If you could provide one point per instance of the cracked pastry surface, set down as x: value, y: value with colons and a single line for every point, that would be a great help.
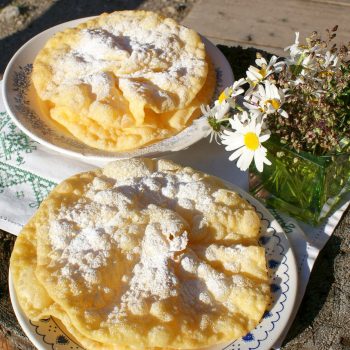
x: 143, y: 254
x: 124, y: 80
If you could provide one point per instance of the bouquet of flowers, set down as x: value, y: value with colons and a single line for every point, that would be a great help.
x: 302, y: 100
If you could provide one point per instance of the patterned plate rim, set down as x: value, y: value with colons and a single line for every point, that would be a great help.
x: 280, y: 318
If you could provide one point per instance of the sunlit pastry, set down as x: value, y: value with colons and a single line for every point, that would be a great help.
x: 124, y: 80
x: 143, y: 254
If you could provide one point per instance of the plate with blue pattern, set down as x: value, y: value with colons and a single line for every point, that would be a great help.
x: 21, y: 105
x: 50, y: 333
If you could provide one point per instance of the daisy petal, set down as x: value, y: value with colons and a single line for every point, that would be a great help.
x: 261, y: 90
x: 238, y: 83
x: 245, y: 160
x: 233, y: 143
x: 260, y: 61
x: 236, y: 154
x: 273, y: 60
x: 259, y: 162
x: 249, y: 106
x: 252, y: 75
x: 264, y: 138
x: 283, y: 113
x: 267, y: 162
x: 228, y: 133
x: 260, y: 158
x: 236, y: 124
x: 268, y: 89
x: 237, y: 92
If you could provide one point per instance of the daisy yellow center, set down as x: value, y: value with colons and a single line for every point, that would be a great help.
x: 274, y: 103
x: 251, y: 141
x: 263, y: 72
x: 222, y: 97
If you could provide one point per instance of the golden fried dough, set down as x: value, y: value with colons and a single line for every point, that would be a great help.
x: 143, y: 254
x: 124, y: 80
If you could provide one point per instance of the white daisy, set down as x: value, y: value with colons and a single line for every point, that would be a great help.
x: 236, y: 87
x: 268, y: 99
x: 255, y: 75
x: 227, y: 99
x: 232, y: 91
x: 246, y: 141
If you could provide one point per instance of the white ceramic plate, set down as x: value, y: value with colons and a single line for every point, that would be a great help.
x: 48, y: 334
x: 17, y: 92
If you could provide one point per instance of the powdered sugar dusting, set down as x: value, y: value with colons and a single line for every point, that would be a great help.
x: 154, y: 276
x: 151, y: 61
x: 140, y: 218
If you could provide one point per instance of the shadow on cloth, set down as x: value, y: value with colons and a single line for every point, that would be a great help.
x: 318, y: 288
x: 60, y: 12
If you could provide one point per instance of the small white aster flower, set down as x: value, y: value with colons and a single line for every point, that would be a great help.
x: 330, y: 60
x: 215, y: 128
x: 218, y: 111
x: 305, y: 61
x: 303, y: 57
x: 246, y: 142
x: 295, y: 49
x: 308, y: 63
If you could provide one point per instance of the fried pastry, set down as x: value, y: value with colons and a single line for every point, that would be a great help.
x: 143, y: 254
x: 124, y: 80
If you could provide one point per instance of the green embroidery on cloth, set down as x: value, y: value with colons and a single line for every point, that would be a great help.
x: 13, y: 143
x: 12, y: 176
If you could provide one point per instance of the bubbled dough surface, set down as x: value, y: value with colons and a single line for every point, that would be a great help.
x: 143, y: 254
x: 124, y: 79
